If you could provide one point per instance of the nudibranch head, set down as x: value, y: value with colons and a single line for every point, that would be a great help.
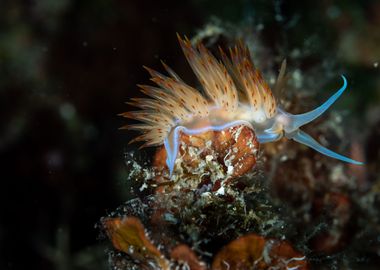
x: 235, y: 94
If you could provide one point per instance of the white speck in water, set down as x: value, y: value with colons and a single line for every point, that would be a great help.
x: 54, y: 159
x: 297, y: 77
x: 260, y: 27
x: 279, y: 18
x: 338, y: 118
x: 296, y: 53
x: 333, y: 12
x: 67, y: 111
x: 376, y: 64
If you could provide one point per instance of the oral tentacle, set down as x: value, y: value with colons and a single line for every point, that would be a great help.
x: 299, y: 120
x: 304, y: 138
x: 267, y: 137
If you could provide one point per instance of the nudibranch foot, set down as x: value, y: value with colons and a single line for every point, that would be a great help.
x: 208, y: 161
x: 172, y: 142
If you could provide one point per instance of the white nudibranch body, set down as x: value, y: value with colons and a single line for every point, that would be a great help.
x: 235, y: 94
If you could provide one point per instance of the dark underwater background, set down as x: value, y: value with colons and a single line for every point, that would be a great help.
x: 68, y: 67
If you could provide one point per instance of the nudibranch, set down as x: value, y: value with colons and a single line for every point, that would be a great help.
x: 235, y: 94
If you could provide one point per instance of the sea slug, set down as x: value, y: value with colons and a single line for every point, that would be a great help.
x: 235, y: 93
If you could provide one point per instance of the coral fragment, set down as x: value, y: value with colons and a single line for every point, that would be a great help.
x: 256, y: 252
x: 128, y: 235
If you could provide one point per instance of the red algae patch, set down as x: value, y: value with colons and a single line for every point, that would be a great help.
x: 256, y: 252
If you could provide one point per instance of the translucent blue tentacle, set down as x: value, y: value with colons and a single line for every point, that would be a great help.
x: 171, y: 150
x: 304, y: 138
x: 266, y: 137
x: 299, y: 120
